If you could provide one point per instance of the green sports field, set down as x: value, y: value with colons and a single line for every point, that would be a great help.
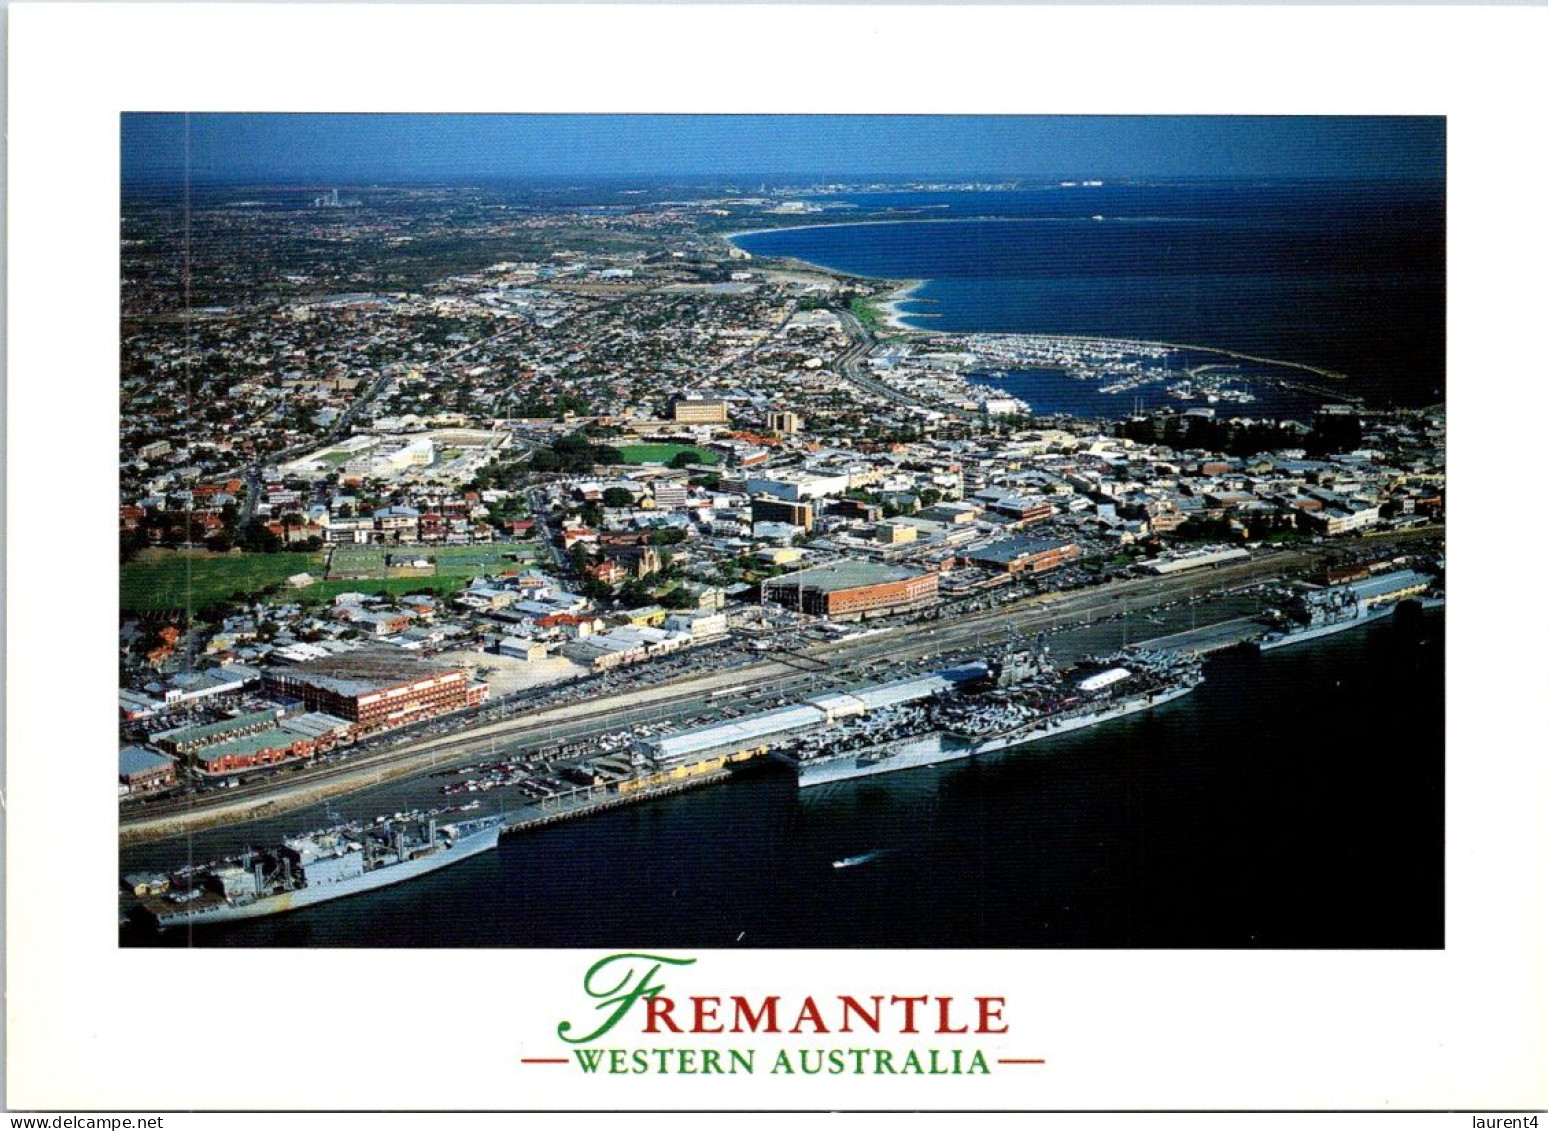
x: 662, y: 453
x: 190, y: 579
x: 177, y: 579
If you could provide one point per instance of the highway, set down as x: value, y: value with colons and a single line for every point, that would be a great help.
x: 849, y: 366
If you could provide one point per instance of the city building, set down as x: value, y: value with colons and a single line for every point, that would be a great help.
x: 1015, y: 555
x: 1178, y: 563
x: 698, y: 410
x: 376, y: 689
x: 669, y: 493
x: 784, y: 423
x: 796, y: 485
x: 894, y: 533
x: 251, y: 752
x: 144, y: 771
x: 851, y: 590
x: 769, y: 509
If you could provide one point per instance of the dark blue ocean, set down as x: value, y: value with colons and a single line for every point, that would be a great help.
x: 1345, y: 276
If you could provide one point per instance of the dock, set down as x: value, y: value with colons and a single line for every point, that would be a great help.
x: 1210, y: 638
x: 585, y: 803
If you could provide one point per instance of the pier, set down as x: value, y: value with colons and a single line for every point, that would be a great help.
x: 1210, y: 638
x: 598, y: 799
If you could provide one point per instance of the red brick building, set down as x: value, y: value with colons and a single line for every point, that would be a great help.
x: 1014, y: 555
x: 252, y: 752
x: 376, y: 689
x: 850, y: 590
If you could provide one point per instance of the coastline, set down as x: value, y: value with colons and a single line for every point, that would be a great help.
x: 903, y: 290
x: 890, y: 306
x: 883, y: 314
x: 888, y: 303
x: 732, y: 237
x: 911, y: 219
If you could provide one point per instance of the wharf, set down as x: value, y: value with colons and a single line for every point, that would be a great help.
x: 1209, y: 638
x: 584, y: 806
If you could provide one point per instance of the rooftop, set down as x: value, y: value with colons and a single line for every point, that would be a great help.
x: 360, y: 672
x: 137, y: 760
x: 1010, y: 549
x: 261, y: 719
x: 836, y: 576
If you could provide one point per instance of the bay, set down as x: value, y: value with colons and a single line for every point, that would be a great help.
x: 1346, y: 276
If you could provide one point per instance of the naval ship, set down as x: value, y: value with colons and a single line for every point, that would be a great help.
x: 1323, y: 612
x: 314, y: 868
x: 1324, y: 618
x: 1023, y: 699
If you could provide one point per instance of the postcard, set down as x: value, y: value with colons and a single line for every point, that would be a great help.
x: 647, y: 581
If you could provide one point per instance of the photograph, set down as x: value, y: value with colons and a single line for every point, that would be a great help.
x: 948, y: 531
x: 740, y: 560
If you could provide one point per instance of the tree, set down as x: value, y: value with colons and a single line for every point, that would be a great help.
x: 635, y: 592
x: 596, y: 589
x: 686, y: 459
x: 678, y: 598
x: 131, y: 542
x: 617, y: 497
x: 258, y: 537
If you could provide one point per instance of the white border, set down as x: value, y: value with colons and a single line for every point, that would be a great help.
x: 90, y: 1026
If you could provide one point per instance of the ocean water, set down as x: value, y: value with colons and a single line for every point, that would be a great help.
x: 1295, y: 800
x: 1345, y: 276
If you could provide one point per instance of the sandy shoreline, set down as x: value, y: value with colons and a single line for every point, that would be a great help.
x: 895, y: 317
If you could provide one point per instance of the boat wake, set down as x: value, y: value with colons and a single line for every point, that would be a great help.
x: 863, y: 858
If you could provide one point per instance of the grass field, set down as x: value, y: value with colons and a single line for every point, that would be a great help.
x: 454, y: 565
x: 174, y: 579
x: 661, y: 453
x: 190, y: 579
x: 371, y: 562
x: 358, y: 561
x: 469, y: 561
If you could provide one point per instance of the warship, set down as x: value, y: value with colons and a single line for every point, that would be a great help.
x: 1322, y: 612
x: 311, y: 868
x: 1021, y: 700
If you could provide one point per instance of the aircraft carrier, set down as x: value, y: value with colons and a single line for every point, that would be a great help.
x: 1021, y: 699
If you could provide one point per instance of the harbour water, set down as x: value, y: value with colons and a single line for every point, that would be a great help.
x: 1346, y: 276
x: 1295, y: 799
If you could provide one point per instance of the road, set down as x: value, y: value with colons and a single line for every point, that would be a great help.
x: 846, y: 661
x: 850, y: 364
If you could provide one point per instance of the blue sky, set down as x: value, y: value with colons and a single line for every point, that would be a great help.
x: 408, y: 147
